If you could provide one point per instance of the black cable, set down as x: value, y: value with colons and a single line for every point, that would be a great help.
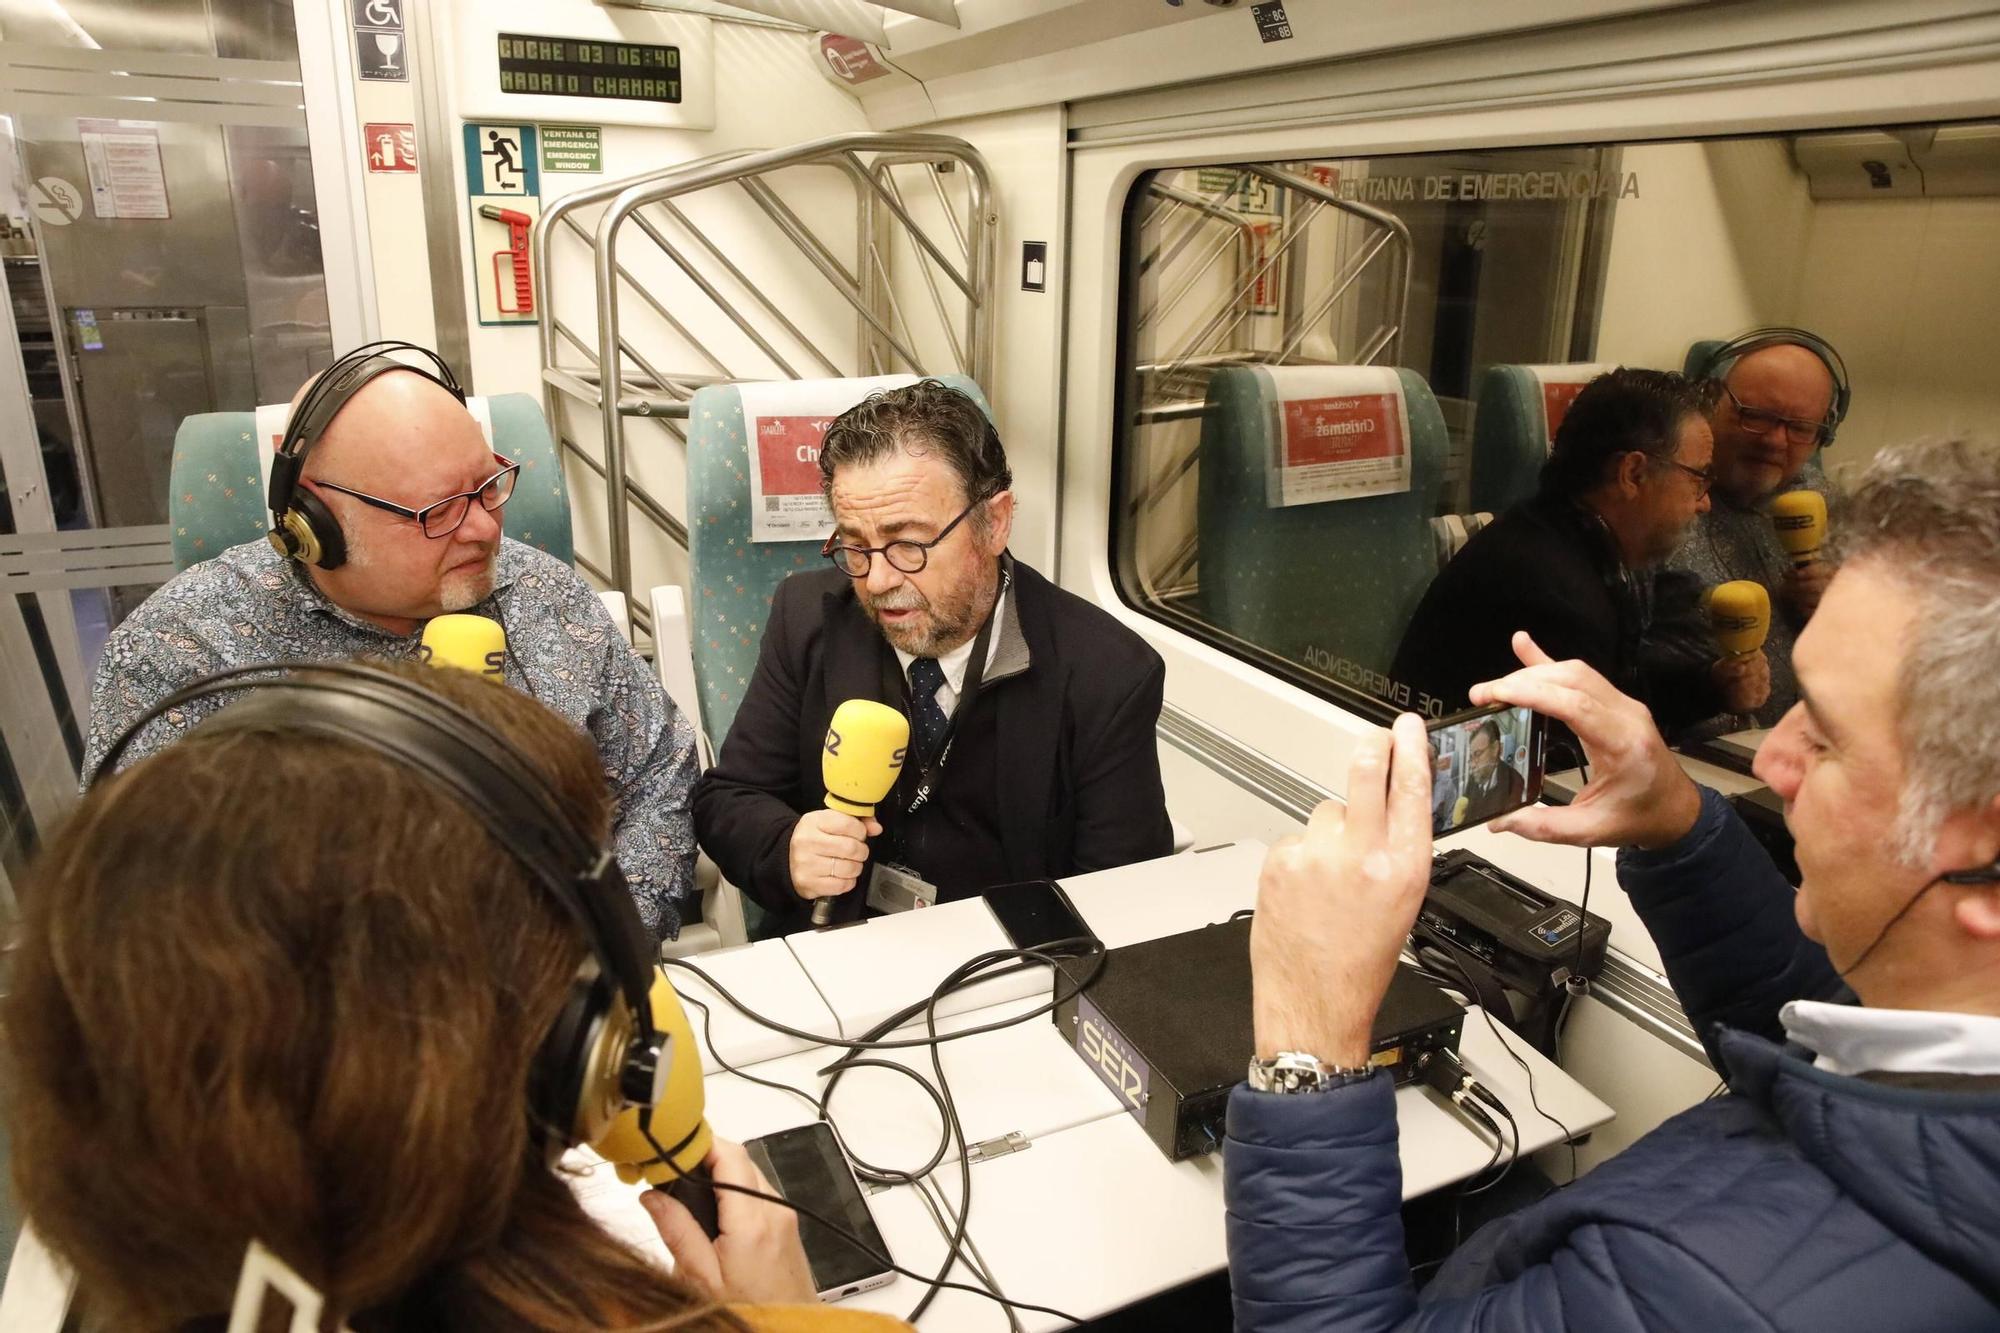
x: 966, y: 974
x: 1515, y: 1056
x: 861, y: 1166
x: 843, y: 1043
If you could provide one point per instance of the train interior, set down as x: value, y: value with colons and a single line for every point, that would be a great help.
x: 1136, y: 226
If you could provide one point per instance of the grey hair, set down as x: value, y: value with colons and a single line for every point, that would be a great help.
x: 1930, y: 512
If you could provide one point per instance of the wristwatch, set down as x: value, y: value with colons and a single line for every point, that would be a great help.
x: 1295, y: 1071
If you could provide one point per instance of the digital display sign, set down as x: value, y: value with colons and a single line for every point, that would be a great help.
x: 570, y: 67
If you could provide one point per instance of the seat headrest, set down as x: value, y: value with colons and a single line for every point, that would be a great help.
x: 1338, y: 433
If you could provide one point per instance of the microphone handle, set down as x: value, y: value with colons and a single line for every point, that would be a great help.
x: 697, y: 1195
x: 823, y: 910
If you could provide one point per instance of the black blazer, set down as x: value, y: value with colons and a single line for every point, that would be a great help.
x: 1078, y: 767
x: 1548, y: 567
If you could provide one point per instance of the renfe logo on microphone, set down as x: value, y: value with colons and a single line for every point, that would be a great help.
x: 1105, y: 1051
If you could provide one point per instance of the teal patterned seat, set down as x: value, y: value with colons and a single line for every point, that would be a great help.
x: 1328, y: 586
x: 731, y: 578
x: 1519, y: 410
x: 216, y: 495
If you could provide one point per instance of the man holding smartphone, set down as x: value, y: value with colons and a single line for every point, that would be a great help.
x: 1851, y: 1181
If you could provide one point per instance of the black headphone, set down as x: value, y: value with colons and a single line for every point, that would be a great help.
x: 302, y: 527
x: 1784, y: 335
x: 603, y: 1053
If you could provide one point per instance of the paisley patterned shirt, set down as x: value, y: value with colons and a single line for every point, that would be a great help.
x: 251, y: 605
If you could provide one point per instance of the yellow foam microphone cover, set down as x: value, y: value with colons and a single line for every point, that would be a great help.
x: 1800, y: 518
x: 1740, y: 612
x: 865, y: 746
x: 678, y: 1115
x: 470, y: 643
x: 1458, y: 809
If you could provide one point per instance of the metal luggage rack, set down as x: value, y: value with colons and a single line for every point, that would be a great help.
x: 952, y: 248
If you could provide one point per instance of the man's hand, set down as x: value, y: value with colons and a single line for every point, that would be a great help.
x: 1335, y: 904
x: 1637, y: 795
x: 1804, y: 586
x: 828, y: 852
x: 757, y: 1260
x: 1745, y: 682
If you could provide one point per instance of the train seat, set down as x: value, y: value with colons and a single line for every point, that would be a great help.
x: 732, y: 577
x: 1328, y: 584
x: 1519, y: 409
x: 219, y: 478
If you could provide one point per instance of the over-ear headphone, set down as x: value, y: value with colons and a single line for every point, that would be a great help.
x: 302, y: 527
x: 603, y: 1052
x: 1716, y: 363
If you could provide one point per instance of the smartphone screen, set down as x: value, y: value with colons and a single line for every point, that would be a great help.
x: 1484, y: 763
x: 804, y: 1165
x: 1035, y: 913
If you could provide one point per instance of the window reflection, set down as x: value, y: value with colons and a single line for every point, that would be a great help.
x: 1343, y: 373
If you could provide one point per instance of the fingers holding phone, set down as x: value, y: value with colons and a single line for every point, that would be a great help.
x: 758, y: 1258
x: 1637, y: 794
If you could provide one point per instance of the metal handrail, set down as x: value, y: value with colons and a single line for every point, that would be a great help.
x: 1172, y: 382
x: 662, y: 393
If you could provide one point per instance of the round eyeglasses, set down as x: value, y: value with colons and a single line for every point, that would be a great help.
x: 906, y: 556
x: 441, y: 518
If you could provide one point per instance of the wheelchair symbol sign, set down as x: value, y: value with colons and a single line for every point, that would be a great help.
x: 379, y: 14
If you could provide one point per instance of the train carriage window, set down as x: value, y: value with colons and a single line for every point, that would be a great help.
x: 1334, y: 372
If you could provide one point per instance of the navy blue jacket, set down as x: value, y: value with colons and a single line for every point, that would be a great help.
x: 1806, y: 1201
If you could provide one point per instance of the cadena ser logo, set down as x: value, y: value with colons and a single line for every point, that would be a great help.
x: 1105, y: 1051
x: 896, y: 756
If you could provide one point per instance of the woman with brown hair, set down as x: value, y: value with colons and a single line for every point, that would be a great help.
x: 276, y: 987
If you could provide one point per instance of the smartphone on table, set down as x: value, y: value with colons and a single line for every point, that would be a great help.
x: 805, y: 1166
x: 1036, y: 913
x: 1484, y: 763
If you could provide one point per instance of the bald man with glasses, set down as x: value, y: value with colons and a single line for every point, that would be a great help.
x: 1032, y: 751
x: 406, y: 475
x: 1774, y: 409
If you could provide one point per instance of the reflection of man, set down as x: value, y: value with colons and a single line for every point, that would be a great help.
x: 1852, y: 1182
x: 1032, y: 752
x: 1576, y: 565
x: 1491, y: 787
x: 413, y: 493
x: 1778, y: 403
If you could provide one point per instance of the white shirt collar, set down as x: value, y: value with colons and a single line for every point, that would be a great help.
x: 1852, y: 1039
x: 955, y: 661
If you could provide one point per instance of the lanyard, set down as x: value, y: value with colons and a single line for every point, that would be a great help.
x: 931, y: 768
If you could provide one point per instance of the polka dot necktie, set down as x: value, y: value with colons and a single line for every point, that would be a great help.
x: 926, y: 679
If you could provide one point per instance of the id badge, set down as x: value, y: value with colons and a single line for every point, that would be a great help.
x: 896, y: 889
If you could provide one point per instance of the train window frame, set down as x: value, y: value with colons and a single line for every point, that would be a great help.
x: 1588, y: 312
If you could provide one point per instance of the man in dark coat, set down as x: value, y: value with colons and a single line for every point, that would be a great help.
x: 1852, y: 1180
x: 1032, y: 751
x: 1576, y: 565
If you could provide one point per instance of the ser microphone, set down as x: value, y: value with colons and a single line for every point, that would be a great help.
x: 1740, y: 612
x: 865, y: 745
x: 678, y: 1122
x: 1800, y: 518
x: 470, y: 643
